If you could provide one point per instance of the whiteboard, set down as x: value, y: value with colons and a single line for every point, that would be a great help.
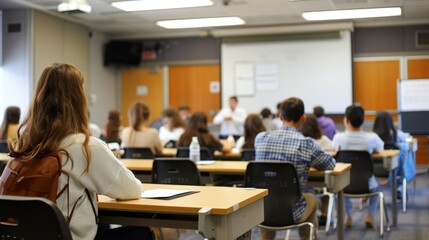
x: 317, y: 71
x: 413, y: 106
x: 413, y: 95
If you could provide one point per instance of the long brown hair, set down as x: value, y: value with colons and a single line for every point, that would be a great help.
x: 310, y: 127
x: 58, y: 109
x: 197, y: 127
x: 176, y: 120
x: 137, y: 114
x: 11, y: 116
x: 252, y: 126
x: 113, y: 124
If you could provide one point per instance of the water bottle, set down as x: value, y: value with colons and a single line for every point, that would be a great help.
x: 194, y: 150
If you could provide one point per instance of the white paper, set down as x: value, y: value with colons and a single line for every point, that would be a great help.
x: 163, y: 193
x: 267, y: 76
x: 244, y: 79
x: 206, y: 162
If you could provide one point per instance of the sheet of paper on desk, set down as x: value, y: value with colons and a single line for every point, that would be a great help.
x: 165, y: 193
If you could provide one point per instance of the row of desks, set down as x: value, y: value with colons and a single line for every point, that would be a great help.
x: 220, y: 212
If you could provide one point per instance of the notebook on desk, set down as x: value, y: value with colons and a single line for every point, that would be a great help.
x: 165, y: 193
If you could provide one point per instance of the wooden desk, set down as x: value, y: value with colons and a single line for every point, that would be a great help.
x: 335, y: 180
x: 217, y: 212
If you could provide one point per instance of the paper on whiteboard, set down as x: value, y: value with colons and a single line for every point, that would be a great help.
x: 414, y: 95
x: 244, y: 79
x: 267, y: 76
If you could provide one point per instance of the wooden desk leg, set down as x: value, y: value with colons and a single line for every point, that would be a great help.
x: 394, y: 199
x: 340, y: 215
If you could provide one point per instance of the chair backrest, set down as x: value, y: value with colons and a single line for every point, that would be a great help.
x: 31, y: 218
x: 247, y: 154
x: 171, y: 144
x: 175, y: 171
x: 281, y: 180
x: 205, y: 153
x: 3, y: 146
x: 362, y: 169
x: 138, y: 153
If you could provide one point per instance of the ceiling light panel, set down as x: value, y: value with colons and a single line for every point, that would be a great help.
x: 147, y: 5
x: 200, y: 22
x: 352, y: 14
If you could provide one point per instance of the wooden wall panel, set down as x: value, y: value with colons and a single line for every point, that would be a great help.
x: 375, y: 84
x: 191, y: 85
x: 131, y: 79
x: 419, y: 68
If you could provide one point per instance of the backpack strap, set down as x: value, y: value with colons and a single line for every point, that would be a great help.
x: 97, y: 220
x: 75, y: 204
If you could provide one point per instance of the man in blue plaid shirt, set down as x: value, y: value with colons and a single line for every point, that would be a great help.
x: 287, y: 144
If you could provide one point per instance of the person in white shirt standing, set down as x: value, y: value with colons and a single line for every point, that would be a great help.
x: 231, y: 119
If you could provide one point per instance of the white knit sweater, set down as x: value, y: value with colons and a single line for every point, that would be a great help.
x: 106, y: 176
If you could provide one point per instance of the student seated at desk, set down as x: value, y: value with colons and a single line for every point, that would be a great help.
x: 252, y: 126
x: 354, y: 138
x: 198, y: 127
x: 110, y: 133
x: 288, y: 145
x: 172, y: 128
x: 139, y: 135
x: 57, y: 122
x: 395, y: 138
x: 9, y: 126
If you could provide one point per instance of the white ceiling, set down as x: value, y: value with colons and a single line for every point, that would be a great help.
x: 256, y: 13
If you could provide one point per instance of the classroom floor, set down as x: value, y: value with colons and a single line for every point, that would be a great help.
x: 412, y: 225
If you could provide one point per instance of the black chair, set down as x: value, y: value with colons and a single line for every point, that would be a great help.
x: 175, y: 171
x: 281, y: 180
x: 205, y: 153
x: 247, y: 154
x: 171, y: 144
x: 31, y: 218
x: 362, y: 170
x: 138, y: 153
x: 3, y: 146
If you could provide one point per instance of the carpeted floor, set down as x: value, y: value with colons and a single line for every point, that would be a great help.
x: 412, y: 225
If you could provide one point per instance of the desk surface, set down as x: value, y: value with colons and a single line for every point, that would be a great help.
x: 222, y: 166
x: 208, y: 197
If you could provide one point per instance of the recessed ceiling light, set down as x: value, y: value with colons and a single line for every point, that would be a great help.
x: 352, y: 14
x: 200, y: 22
x: 145, y: 5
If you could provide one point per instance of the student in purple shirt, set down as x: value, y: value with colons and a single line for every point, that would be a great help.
x: 326, y: 123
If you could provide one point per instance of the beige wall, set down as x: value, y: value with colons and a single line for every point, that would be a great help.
x: 57, y: 40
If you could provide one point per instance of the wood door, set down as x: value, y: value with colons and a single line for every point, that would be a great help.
x: 142, y: 85
x: 419, y: 69
x: 191, y: 85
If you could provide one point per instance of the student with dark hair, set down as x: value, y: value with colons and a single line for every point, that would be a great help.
x: 112, y: 128
x: 354, y: 138
x: 9, y: 126
x: 231, y: 119
x: 396, y: 139
x: 57, y: 122
x: 326, y: 123
x: 310, y: 128
x: 268, y: 120
x: 185, y: 113
x: 252, y: 126
x: 197, y: 127
x: 288, y: 145
x: 139, y: 134
x: 173, y: 126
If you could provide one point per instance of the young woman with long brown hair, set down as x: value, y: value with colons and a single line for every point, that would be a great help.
x: 173, y: 127
x: 139, y: 134
x: 57, y: 121
x: 253, y: 125
x: 113, y: 127
x: 198, y: 127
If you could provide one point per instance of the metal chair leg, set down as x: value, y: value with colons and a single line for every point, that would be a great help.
x: 381, y: 196
x: 404, y: 195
